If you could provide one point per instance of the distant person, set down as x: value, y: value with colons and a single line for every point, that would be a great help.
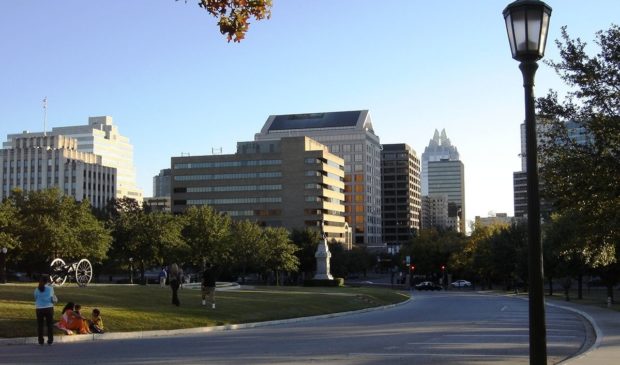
x: 163, y: 275
x: 181, y: 277
x: 175, y: 282
x: 96, y: 322
x: 44, y: 300
x: 208, y: 286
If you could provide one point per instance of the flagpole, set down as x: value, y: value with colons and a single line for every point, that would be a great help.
x: 45, y: 116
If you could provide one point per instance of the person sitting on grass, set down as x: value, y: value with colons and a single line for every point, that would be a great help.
x: 96, y: 322
x: 72, y: 321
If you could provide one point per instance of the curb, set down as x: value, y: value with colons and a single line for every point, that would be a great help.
x: 597, y: 331
x: 189, y: 331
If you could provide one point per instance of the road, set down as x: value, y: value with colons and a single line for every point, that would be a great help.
x: 433, y: 328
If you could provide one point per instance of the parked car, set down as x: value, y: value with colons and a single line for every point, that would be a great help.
x: 461, y: 284
x: 427, y: 285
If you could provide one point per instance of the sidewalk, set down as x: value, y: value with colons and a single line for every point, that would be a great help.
x: 606, y: 323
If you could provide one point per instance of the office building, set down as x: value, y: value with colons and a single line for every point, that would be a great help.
x: 447, y: 177
x: 349, y: 135
x: 439, y: 148
x: 519, y: 188
x: 494, y: 219
x: 400, y: 186
x: 162, y: 184
x: 435, y: 213
x: 292, y: 182
x: 100, y: 137
x: 34, y: 163
x: 577, y: 132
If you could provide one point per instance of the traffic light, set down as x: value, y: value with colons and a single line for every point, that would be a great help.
x: 412, y: 268
x: 443, y: 268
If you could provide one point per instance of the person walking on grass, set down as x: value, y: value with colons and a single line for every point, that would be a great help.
x: 175, y: 282
x: 208, y: 286
x: 163, y: 275
x: 44, y: 300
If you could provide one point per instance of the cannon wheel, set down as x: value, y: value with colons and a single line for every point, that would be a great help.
x: 58, y: 275
x: 83, y: 272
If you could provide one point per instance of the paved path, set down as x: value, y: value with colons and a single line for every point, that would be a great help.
x: 434, y: 328
x: 606, y: 350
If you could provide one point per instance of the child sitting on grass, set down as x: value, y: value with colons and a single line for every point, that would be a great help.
x: 96, y: 322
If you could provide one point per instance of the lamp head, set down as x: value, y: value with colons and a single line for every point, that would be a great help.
x: 527, y: 24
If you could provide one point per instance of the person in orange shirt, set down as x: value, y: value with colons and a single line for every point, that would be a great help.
x: 72, y: 321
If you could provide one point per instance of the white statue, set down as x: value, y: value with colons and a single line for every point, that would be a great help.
x: 323, y: 256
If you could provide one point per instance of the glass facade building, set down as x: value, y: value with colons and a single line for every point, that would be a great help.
x: 349, y: 135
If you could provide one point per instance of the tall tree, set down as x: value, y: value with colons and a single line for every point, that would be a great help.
x: 206, y: 232
x: 582, y: 176
x: 280, y: 252
x: 53, y: 225
x: 307, y: 240
x: 9, y: 225
x: 247, y: 247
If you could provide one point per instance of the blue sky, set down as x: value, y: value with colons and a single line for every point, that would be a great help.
x: 174, y: 85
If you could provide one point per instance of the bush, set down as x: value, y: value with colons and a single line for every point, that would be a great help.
x: 324, y: 282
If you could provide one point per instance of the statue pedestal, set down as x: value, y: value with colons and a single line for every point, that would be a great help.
x: 322, y: 256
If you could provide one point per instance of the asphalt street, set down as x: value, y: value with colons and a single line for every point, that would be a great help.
x: 434, y: 328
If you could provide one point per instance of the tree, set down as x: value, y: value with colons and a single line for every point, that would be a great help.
x: 570, y: 256
x: 307, y: 240
x: 158, y: 240
x: 280, y: 252
x: 126, y: 219
x: 247, y: 247
x: 233, y: 15
x: 52, y: 225
x: 582, y: 176
x: 206, y: 232
x: 509, y: 255
x: 431, y: 249
x: 9, y: 225
x: 577, y: 175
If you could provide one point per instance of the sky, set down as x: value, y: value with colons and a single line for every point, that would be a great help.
x: 174, y: 85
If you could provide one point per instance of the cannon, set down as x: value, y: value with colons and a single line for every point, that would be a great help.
x: 82, y: 271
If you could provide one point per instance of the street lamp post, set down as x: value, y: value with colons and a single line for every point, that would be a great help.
x: 527, y: 24
x: 3, y: 252
x: 131, y: 270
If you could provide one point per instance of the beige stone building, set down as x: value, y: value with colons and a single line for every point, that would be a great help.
x: 43, y: 162
x: 100, y: 137
x: 294, y: 182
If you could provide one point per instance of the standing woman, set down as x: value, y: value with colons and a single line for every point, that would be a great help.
x: 175, y: 282
x: 44, y: 304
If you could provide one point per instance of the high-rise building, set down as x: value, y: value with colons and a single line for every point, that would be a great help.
x: 439, y: 148
x: 575, y: 131
x: 100, y: 137
x: 446, y: 177
x: 161, y: 183
x: 293, y: 183
x: 349, y: 135
x: 435, y: 212
x: 400, y: 187
x: 34, y: 163
x: 519, y: 187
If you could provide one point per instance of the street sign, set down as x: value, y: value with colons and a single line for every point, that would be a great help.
x: 408, y: 259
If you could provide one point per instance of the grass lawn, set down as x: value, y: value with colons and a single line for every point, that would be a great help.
x: 595, y: 297
x: 135, y: 308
